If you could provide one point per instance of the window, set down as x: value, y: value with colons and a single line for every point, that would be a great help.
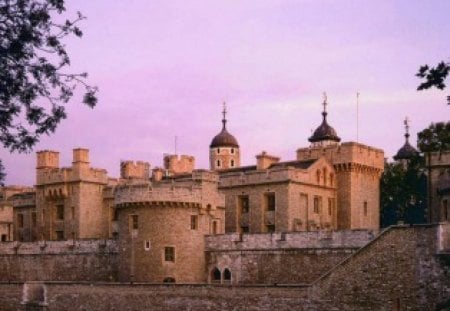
x: 244, y: 204
x: 227, y: 275
x: 324, y: 176
x: 216, y: 276
x: 270, y: 228
x: 318, y: 176
x: 316, y: 205
x: 134, y: 222
x: 245, y: 229
x: 169, y: 280
x: 270, y: 201
x: 194, y: 222
x: 331, y: 180
x: 59, y: 212
x: 232, y: 151
x: 169, y: 253
x: 445, y: 209
x: 232, y: 163
x: 218, y: 150
x: 330, y: 206
x: 33, y: 219
x: 72, y: 212
x: 4, y: 237
x: 218, y: 163
x: 59, y: 235
x: 214, y: 227
x: 365, y: 208
x: 20, y: 220
x: 147, y: 245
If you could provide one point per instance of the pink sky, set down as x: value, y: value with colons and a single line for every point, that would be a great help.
x: 165, y: 67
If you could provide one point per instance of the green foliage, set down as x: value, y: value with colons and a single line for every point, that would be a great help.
x: 403, y: 192
x: 434, y: 77
x: 434, y: 138
x: 34, y: 84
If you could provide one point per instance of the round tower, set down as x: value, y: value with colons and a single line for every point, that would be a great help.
x: 224, y: 149
x: 324, y: 135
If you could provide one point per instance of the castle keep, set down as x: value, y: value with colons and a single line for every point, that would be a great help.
x: 310, y: 223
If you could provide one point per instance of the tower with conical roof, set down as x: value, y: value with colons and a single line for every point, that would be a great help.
x: 224, y: 148
x: 324, y: 135
x: 406, y: 152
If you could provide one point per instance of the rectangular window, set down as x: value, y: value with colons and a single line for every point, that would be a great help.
x: 4, y: 237
x: 445, y: 209
x: 270, y: 201
x: 134, y: 222
x: 147, y: 245
x: 59, y: 235
x: 169, y: 253
x: 317, y: 200
x: 20, y: 220
x: 365, y: 208
x: 33, y: 219
x: 330, y: 206
x: 194, y: 222
x: 72, y: 212
x: 270, y: 228
x: 232, y: 150
x: 244, y: 204
x: 245, y: 229
x: 60, y: 212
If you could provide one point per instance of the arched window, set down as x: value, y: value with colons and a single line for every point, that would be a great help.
x: 331, y: 180
x: 324, y: 176
x: 169, y: 280
x: 227, y: 275
x: 216, y: 276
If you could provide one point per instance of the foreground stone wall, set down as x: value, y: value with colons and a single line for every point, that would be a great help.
x: 79, y: 260
x: 280, y: 258
x: 402, y: 269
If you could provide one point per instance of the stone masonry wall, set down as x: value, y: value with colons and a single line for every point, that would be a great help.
x: 280, y: 258
x: 400, y: 270
x: 79, y: 260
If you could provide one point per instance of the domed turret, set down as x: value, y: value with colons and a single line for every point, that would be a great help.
x: 324, y: 134
x: 406, y: 152
x: 224, y: 148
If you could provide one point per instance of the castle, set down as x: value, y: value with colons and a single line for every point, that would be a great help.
x: 275, y: 222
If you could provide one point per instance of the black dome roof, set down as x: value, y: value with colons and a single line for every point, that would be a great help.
x: 406, y: 152
x: 324, y: 132
x: 224, y: 139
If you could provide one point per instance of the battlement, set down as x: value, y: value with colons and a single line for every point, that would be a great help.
x: 80, y: 155
x: 47, y: 159
x: 289, y: 240
x: 434, y: 159
x: 348, y: 152
x: 179, y: 164
x: 131, y: 169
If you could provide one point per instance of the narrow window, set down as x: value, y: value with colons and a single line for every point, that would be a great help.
x: 318, y: 176
x: 365, y: 208
x: 216, y: 275
x: 20, y: 220
x: 33, y: 219
x: 227, y: 275
x: 218, y: 163
x: 169, y: 280
x: 72, y: 212
x: 194, y: 222
x: 330, y: 206
x: 232, y: 150
x: 134, y: 222
x: 244, y: 204
x: 324, y: 176
x: 147, y: 245
x: 331, y: 180
x: 4, y: 237
x: 316, y: 205
x: 218, y: 150
x: 214, y: 227
x: 270, y: 228
x: 169, y: 253
x: 59, y: 212
x: 232, y: 163
x: 270, y: 201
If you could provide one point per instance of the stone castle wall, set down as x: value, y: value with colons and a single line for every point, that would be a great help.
x: 77, y: 260
x: 439, y: 179
x: 280, y: 258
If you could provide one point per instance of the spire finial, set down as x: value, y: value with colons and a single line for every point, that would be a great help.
x: 224, y: 113
x: 325, y: 102
x: 406, y: 123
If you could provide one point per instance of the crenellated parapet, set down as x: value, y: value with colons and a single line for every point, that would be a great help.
x: 131, y: 169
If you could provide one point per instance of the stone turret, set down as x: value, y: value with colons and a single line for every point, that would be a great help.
x: 224, y: 149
